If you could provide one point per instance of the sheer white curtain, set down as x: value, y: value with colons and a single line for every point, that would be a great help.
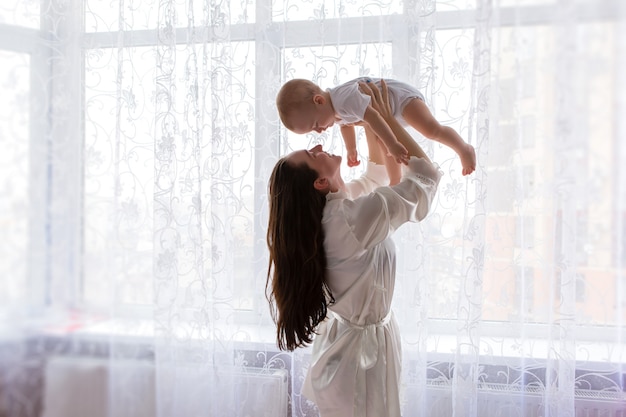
x: 138, y: 137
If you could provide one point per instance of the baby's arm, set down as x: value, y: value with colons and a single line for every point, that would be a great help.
x: 384, y: 132
x: 349, y: 139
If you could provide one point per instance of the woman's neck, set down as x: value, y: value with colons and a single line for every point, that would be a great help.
x: 338, y: 184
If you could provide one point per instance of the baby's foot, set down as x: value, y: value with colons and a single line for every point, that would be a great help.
x: 468, y: 159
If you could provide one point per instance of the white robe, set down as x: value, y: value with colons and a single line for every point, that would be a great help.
x: 356, y: 356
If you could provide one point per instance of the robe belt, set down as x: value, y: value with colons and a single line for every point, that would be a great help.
x: 369, y: 338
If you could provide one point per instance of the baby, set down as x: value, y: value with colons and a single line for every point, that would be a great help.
x: 303, y: 107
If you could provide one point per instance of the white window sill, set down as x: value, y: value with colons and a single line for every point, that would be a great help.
x: 439, y: 346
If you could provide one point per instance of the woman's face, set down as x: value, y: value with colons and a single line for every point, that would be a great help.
x: 326, y: 165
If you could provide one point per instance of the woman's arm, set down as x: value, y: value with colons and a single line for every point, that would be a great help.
x: 365, y: 184
x: 383, y: 130
x: 376, y: 216
x: 380, y: 103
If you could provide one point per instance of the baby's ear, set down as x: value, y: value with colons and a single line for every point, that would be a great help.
x: 319, y: 99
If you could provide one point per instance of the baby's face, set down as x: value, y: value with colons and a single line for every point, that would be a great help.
x: 325, y: 118
x: 318, y: 118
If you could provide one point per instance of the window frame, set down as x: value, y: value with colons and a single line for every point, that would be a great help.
x: 275, y: 36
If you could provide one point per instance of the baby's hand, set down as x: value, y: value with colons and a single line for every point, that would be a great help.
x: 353, y: 158
x: 398, y: 152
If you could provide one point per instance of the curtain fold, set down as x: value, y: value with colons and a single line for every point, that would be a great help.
x: 138, y: 137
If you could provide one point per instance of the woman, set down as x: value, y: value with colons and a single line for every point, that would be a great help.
x: 332, y: 269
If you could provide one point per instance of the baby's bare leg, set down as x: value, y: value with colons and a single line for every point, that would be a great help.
x: 417, y: 114
x: 378, y: 154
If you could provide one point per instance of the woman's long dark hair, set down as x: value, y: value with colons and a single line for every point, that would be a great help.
x: 296, y: 276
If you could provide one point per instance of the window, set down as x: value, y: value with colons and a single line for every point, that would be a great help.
x: 14, y: 173
x: 22, y: 173
x: 130, y: 97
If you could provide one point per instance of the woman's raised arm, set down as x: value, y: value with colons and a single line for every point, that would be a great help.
x: 380, y: 102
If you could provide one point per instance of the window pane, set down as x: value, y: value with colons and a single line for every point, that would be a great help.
x: 528, y: 227
x: 211, y: 119
x: 20, y: 13
x: 118, y: 176
x: 14, y: 176
x: 105, y: 15
x: 450, y: 101
x: 231, y: 144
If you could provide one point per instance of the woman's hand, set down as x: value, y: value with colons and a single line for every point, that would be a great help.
x: 380, y: 103
x: 380, y: 99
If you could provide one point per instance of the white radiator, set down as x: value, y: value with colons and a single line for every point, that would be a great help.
x: 499, y: 400
x: 80, y: 387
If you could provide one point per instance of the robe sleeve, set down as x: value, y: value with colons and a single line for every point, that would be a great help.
x: 374, y: 217
x: 375, y: 176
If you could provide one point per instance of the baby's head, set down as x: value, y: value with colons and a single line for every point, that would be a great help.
x: 297, y: 99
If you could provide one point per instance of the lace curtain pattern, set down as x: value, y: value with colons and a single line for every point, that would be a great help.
x: 138, y: 137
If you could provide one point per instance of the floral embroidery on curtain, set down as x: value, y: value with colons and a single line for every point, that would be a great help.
x: 138, y: 137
